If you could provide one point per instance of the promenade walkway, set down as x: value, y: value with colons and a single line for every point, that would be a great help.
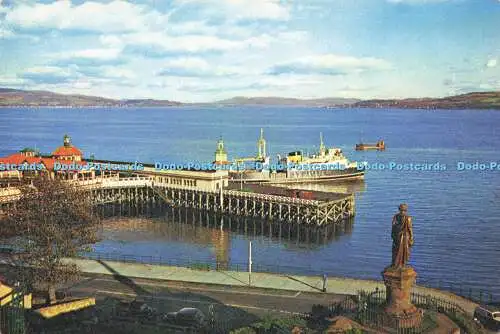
x: 335, y: 285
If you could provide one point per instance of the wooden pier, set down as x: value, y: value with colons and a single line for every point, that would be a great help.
x: 318, y: 211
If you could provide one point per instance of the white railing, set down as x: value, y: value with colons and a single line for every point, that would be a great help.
x: 7, y: 194
x: 274, y: 198
x: 11, y: 191
x: 127, y: 182
x: 183, y: 187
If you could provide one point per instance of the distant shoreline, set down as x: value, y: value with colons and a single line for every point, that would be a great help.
x: 252, y: 106
x: 14, y: 98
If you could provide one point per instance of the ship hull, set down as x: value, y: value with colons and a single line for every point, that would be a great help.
x: 299, y: 176
x: 370, y: 147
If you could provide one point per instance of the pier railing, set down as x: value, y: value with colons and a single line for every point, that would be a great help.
x: 9, y: 194
x: 273, y: 198
x: 282, y: 207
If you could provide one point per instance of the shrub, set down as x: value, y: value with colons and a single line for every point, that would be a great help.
x: 244, y: 330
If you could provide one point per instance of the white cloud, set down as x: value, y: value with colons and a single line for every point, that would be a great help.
x: 118, y: 73
x: 47, y: 70
x: 12, y: 81
x: 492, y: 62
x: 2, y: 8
x: 49, y: 74
x: 251, y: 84
x: 196, y: 67
x: 419, y: 1
x: 5, y: 33
x: 245, y: 9
x: 159, y: 42
x: 111, y: 41
x: 91, y: 54
x: 289, y: 81
x: 329, y: 64
x: 115, y: 16
x: 87, y: 57
x: 75, y: 76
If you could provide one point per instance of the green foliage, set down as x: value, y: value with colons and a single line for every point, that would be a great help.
x: 244, y: 330
x: 465, y: 323
x: 354, y: 331
x: 269, y: 323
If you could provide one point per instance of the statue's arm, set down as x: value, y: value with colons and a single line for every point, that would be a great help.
x: 410, y: 229
x: 393, y: 231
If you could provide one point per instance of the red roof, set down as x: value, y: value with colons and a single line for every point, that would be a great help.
x: 48, y: 163
x: 64, y: 151
x: 16, y: 158
x: 19, y: 159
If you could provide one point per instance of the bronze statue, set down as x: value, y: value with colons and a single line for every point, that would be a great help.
x: 402, y: 237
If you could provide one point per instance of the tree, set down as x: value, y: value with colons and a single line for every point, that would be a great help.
x: 53, y: 220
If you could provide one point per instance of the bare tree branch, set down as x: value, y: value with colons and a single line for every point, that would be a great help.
x: 51, y: 221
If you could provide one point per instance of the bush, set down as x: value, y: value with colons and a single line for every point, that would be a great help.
x: 270, y: 324
x: 354, y: 331
x: 466, y: 324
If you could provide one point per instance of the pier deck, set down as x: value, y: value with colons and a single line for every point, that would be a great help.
x: 263, y: 202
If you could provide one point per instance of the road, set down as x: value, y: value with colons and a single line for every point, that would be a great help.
x: 180, y: 294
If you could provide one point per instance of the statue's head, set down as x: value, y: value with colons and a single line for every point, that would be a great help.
x: 403, y: 208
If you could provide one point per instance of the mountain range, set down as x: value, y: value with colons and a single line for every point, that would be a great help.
x: 26, y: 98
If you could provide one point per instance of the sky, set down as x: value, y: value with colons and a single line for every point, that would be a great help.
x: 208, y: 50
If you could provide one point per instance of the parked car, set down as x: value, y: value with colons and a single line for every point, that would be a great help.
x: 488, y: 316
x: 188, y: 316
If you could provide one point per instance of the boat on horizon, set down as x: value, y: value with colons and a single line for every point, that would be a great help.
x: 379, y: 146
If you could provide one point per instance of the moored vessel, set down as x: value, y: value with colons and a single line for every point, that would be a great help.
x: 328, y: 164
x: 325, y: 165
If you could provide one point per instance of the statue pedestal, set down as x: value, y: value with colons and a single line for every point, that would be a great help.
x: 399, y: 309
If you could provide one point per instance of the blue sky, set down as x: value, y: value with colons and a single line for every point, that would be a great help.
x: 205, y: 50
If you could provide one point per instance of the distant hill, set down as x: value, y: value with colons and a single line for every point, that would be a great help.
x: 16, y: 97
x: 284, y: 101
x: 480, y: 100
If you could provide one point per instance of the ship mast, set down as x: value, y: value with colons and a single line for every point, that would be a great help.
x: 322, y: 149
x: 261, y: 146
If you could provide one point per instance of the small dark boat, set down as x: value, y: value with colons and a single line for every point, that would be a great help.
x: 379, y: 146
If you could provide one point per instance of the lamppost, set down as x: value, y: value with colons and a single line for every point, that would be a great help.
x: 241, y: 177
x: 250, y: 263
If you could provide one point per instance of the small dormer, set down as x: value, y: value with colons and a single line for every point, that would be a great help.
x: 29, y: 152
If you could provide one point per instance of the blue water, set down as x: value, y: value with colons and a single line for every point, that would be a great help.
x: 456, y: 213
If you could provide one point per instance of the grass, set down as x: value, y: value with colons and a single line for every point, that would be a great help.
x: 200, y: 266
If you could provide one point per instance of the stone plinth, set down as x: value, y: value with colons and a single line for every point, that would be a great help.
x: 399, y: 308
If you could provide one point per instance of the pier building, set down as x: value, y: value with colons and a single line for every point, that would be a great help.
x: 191, y: 179
x: 194, y: 189
x: 29, y: 162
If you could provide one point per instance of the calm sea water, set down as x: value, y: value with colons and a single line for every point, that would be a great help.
x: 456, y: 213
